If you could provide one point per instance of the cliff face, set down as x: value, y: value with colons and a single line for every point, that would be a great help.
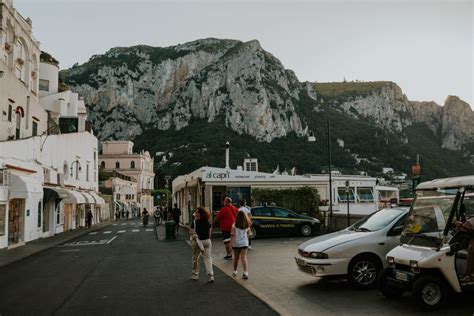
x: 151, y: 94
x: 129, y: 89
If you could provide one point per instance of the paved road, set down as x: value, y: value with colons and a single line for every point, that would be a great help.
x: 120, y: 269
x: 273, y: 276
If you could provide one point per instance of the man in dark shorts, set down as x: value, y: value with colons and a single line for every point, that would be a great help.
x: 176, y: 213
x: 226, y: 218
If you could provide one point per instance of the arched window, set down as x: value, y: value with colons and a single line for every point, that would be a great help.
x: 117, y: 165
x: 102, y: 164
x: 132, y: 164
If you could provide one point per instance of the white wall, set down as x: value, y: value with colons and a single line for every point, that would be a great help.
x: 49, y: 71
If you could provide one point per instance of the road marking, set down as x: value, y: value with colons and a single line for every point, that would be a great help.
x: 92, y: 233
x: 107, y: 232
x: 135, y: 230
x: 85, y: 243
x: 149, y: 230
x: 123, y: 224
x: 114, y: 224
x: 70, y: 250
x: 112, y: 239
x: 121, y: 232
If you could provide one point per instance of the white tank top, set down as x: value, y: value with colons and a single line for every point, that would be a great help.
x: 241, y: 237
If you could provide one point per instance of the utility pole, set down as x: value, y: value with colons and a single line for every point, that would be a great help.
x: 330, y: 174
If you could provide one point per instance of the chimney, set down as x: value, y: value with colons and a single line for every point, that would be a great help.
x: 227, y: 145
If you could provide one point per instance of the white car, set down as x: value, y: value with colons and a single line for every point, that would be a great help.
x: 357, y: 252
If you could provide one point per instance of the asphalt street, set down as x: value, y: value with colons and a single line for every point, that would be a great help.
x: 121, y: 269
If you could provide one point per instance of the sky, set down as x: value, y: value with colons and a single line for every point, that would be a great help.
x: 425, y: 46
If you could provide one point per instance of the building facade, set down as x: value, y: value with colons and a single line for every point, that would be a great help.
x: 48, y: 156
x: 119, y: 156
x: 124, y: 192
x: 208, y: 186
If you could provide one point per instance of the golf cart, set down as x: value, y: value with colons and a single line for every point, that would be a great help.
x: 431, y: 259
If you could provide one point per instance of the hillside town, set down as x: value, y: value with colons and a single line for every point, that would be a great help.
x: 118, y: 175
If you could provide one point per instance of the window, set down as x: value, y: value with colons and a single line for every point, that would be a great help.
x: 118, y: 196
x: 87, y: 172
x: 342, y: 195
x: 261, y: 211
x: 35, y: 129
x: 278, y: 212
x: 132, y: 164
x: 117, y: 165
x: 58, y: 216
x: 365, y: 194
x: 18, y: 124
x: 3, y: 210
x: 102, y: 164
x: 10, y: 112
x: 40, y: 213
x: 44, y: 85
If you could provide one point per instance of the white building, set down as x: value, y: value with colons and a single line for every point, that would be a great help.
x: 207, y: 186
x: 124, y: 192
x: 119, y: 156
x: 48, y: 156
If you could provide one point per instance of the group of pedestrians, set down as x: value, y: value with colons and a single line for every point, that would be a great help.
x: 235, y: 227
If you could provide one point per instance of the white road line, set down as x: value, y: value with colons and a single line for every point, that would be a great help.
x: 123, y: 224
x: 92, y: 233
x: 112, y: 239
x: 135, y: 230
x: 107, y: 232
x: 121, y: 232
x: 70, y: 250
x: 149, y: 230
x: 114, y: 224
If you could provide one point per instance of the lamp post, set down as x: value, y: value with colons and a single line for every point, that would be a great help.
x: 328, y: 133
x: 347, y: 198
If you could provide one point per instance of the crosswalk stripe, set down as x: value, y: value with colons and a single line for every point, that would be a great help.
x: 149, y: 230
x: 121, y: 232
x: 135, y: 230
x: 123, y: 224
x: 107, y: 232
x: 114, y: 224
x: 92, y: 233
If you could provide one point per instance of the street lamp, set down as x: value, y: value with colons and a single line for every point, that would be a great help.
x: 347, y: 198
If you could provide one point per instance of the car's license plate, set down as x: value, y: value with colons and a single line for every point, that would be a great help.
x: 300, y: 262
x: 402, y: 276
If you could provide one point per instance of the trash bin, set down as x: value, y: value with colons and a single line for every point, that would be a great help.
x: 170, y: 230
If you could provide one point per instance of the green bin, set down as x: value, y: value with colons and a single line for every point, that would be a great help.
x: 170, y: 230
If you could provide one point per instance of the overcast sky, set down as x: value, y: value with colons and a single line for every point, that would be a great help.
x: 425, y: 46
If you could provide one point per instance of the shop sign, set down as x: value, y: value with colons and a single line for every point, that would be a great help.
x: 218, y: 175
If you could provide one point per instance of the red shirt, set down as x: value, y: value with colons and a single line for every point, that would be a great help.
x: 226, y: 217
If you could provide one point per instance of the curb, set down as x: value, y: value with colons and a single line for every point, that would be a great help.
x: 86, y: 231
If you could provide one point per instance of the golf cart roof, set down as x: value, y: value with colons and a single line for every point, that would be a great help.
x: 456, y: 182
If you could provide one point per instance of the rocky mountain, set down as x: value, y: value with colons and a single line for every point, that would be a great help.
x: 183, y: 102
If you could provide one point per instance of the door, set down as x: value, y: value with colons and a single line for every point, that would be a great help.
x: 16, y: 221
x: 283, y: 222
x: 393, y: 235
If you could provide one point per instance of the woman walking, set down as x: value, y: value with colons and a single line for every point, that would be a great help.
x: 201, y: 242
x: 240, y: 242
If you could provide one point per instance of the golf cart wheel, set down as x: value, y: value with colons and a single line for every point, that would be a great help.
x: 430, y: 291
x: 253, y: 232
x: 363, y: 271
x: 385, y: 288
x: 306, y: 230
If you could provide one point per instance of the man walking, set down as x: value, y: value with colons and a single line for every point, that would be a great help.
x: 89, y: 219
x: 226, y: 218
x: 176, y: 213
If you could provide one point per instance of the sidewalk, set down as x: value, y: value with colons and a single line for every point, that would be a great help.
x: 30, y: 248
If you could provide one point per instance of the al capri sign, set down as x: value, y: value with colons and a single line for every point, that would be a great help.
x: 227, y: 175
x: 217, y: 175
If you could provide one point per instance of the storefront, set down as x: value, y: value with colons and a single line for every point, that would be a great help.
x: 209, y: 186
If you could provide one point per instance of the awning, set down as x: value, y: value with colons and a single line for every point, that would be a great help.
x: 89, y: 199
x: 75, y: 198
x: 98, y: 200
x: 61, y: 193
x: 23, y: 187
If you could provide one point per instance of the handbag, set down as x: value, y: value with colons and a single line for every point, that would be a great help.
x: 197, y: 240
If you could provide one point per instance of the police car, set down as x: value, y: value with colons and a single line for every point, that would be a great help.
x: 275, y: 220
